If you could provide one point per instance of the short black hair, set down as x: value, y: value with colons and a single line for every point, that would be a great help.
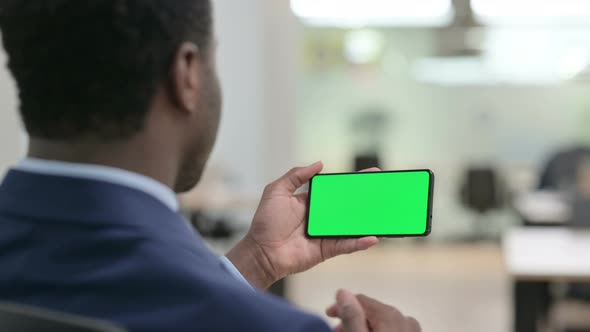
x: 92, y: 67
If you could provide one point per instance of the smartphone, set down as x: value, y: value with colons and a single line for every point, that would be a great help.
x: 384, y: 204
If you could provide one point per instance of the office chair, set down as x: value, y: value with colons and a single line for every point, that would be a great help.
x: 20, y: 318
x: 561, y: 173
x: 480, y: 193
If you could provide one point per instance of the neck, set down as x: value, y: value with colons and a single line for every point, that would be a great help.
x: 140, y: 155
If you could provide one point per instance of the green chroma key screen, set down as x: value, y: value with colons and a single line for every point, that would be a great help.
x: 389, y: 204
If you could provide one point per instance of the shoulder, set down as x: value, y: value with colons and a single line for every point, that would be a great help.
x: 206, y: 297
x: 210, y: 301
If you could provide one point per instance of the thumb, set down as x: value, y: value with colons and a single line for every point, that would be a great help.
x: 335, y: 247
x: 296, y: 178
x: 351, y: 312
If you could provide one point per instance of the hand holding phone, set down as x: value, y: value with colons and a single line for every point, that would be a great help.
x: 276, y: 244
x: 384, y: 204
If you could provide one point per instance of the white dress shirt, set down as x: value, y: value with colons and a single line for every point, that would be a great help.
x: 119, y: 177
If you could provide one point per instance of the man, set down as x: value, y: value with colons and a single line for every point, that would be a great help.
x: 122, y: 104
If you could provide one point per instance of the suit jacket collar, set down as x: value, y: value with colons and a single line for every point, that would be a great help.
x: 84, y: 202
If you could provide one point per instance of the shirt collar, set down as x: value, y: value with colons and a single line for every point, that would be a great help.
x: 102, y: 173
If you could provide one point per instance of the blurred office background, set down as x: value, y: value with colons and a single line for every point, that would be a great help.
x: 493, y: 95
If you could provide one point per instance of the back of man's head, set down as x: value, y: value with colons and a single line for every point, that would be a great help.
x: 91, y: 68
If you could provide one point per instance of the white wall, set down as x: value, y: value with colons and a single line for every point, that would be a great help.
x: 257, y: 63
x: 12, y: 138
x: 240, y: 62
x: 283, y: 53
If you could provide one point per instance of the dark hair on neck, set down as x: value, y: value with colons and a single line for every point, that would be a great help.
x: 90, y: 68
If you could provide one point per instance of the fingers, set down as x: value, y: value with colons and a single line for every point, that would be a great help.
x: 376, y: 316
x: 332, y: 311
x: 351, y: 312
x: 382, y: 317
x: 296, y: 178
x: 299, y: 176
x: 367, y: 242
x: 356, y: 311
x: 376, y: 311
x: 336, y: 247
x: 412, y: 325
x: 370, y: 170
x: 370, y: 303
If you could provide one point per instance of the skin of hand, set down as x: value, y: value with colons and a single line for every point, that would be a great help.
x: 276, y: 244
x: 360, y: 313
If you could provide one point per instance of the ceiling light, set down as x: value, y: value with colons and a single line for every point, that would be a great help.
x: 532, y: 11
x: 363, y: 46
x: 574, y: 62
x: 374, y: 12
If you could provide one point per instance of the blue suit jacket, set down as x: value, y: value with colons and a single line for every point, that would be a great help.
x: 111, y: 252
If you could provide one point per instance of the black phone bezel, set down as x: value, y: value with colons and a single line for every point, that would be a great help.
x: 429, y: 213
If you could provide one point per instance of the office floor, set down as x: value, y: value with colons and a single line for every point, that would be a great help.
x: 447, y: 288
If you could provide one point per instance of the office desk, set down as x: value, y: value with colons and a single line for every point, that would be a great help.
x: 544, y: 208
x: 536, y: 256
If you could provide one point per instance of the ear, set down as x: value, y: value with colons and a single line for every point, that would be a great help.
x: 186, y: 81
